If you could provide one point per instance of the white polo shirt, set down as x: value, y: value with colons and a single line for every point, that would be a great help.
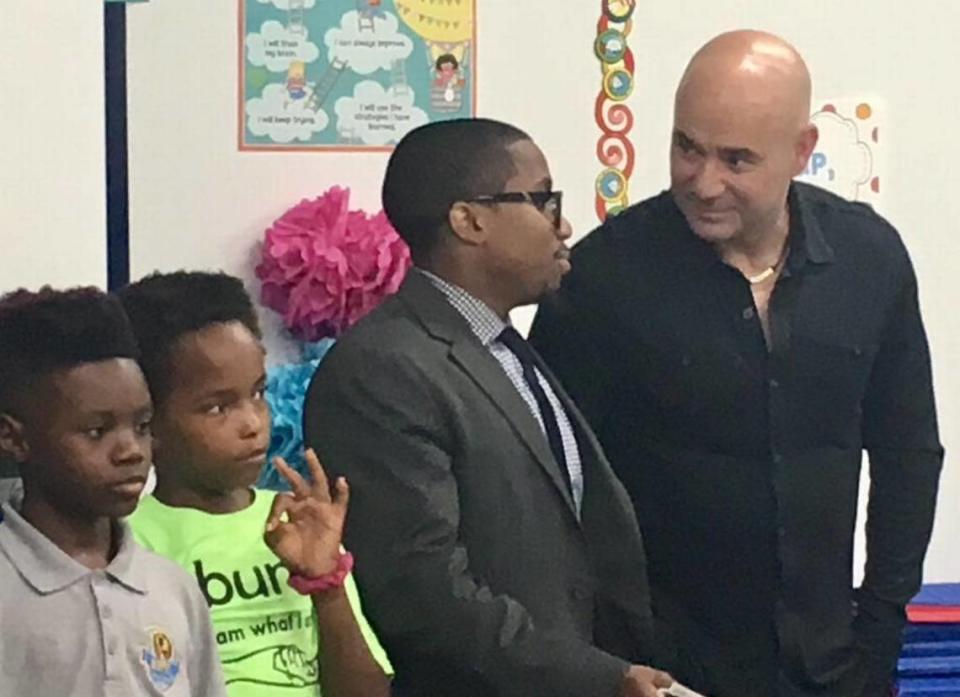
x: 138, y: 627
x: 10, y: 488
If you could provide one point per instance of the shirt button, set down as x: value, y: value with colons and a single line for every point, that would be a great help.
x: 777, y: 458
x: 105, y: 612
x: 111, y: 646
x: 747, y: 313
x: 579, y: 593
x: 781, y: 532
x: 774, y: 384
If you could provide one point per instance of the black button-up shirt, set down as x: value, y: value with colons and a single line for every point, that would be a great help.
x: 743, y: 461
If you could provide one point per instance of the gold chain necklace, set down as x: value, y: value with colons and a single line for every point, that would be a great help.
x: 770, y: 270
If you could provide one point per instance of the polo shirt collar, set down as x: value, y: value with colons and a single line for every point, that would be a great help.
x: 49, y: 569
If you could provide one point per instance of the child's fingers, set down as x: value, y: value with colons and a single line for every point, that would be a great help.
x: 341, y: 494
x: 279, y: 512
x: 321, y: 486
x: 298, y: 484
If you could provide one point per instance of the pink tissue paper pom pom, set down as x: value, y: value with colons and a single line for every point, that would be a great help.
x: 323, y: 266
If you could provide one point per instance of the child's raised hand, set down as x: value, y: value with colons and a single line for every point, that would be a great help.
x: 304, y: 529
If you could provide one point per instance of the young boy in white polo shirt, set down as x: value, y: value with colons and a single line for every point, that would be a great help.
x: 83, y: 609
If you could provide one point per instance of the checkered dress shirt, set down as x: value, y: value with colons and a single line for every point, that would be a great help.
x: 487, y: 325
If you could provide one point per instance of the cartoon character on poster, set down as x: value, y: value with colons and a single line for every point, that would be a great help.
x: 297, y: 80
x: 445, y: 27
x: 370, y: 9
x: 447, y: 85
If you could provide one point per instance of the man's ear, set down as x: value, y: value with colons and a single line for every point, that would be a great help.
x: 804, y: 148
x: 465, y: 224
x: 13, y: 441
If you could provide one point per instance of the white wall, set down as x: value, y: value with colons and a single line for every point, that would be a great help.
x: 52, y: 177
x: 198, y: 202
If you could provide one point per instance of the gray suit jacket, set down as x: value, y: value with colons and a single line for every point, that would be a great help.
x: 473, y: 566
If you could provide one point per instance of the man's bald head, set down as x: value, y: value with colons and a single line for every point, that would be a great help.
x: 755, y: 66
x: 741, y: 133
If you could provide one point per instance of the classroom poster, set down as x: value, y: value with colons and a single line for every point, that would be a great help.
x: 848, y: 157
x: 352, y: 74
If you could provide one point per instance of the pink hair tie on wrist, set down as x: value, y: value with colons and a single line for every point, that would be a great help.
x: 310, y: 586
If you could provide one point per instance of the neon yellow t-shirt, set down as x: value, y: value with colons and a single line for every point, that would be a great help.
x: 265, y: 631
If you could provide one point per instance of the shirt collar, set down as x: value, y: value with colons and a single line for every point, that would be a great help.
x: 808, y: 238
x: 484, y: 322
x: 807, y: 241
x: 48, y: 569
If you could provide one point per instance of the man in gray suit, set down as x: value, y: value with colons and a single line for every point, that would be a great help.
x: 497, y: 554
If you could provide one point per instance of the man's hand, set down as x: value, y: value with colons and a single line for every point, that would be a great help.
x: 641, y: 681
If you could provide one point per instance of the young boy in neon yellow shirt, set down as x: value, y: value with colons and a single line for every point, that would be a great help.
x: 204, y: 362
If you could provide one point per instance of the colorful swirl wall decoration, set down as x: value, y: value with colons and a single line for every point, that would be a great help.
x: 613, y: 116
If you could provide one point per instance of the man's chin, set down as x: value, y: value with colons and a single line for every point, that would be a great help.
x: 712, y: 231
x: 555, y: 284
x: 712, y: 228
x: 547, y: 291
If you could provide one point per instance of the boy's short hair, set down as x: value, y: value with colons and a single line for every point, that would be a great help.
x: 165, y: 306
x: 49, y: 330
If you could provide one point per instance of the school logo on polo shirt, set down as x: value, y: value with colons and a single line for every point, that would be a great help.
x: 160, y: 659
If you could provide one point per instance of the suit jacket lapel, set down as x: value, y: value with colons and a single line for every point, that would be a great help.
x: 488, y: 375
x: 602, y: 491
x: 443, y: 322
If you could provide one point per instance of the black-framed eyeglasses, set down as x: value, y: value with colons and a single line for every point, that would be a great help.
x: 550, y: 203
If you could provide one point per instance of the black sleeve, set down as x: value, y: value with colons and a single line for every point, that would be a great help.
x: 900, y: 435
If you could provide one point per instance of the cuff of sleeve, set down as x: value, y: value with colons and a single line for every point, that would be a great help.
x: 596, y: 674
x: 878, y: 626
